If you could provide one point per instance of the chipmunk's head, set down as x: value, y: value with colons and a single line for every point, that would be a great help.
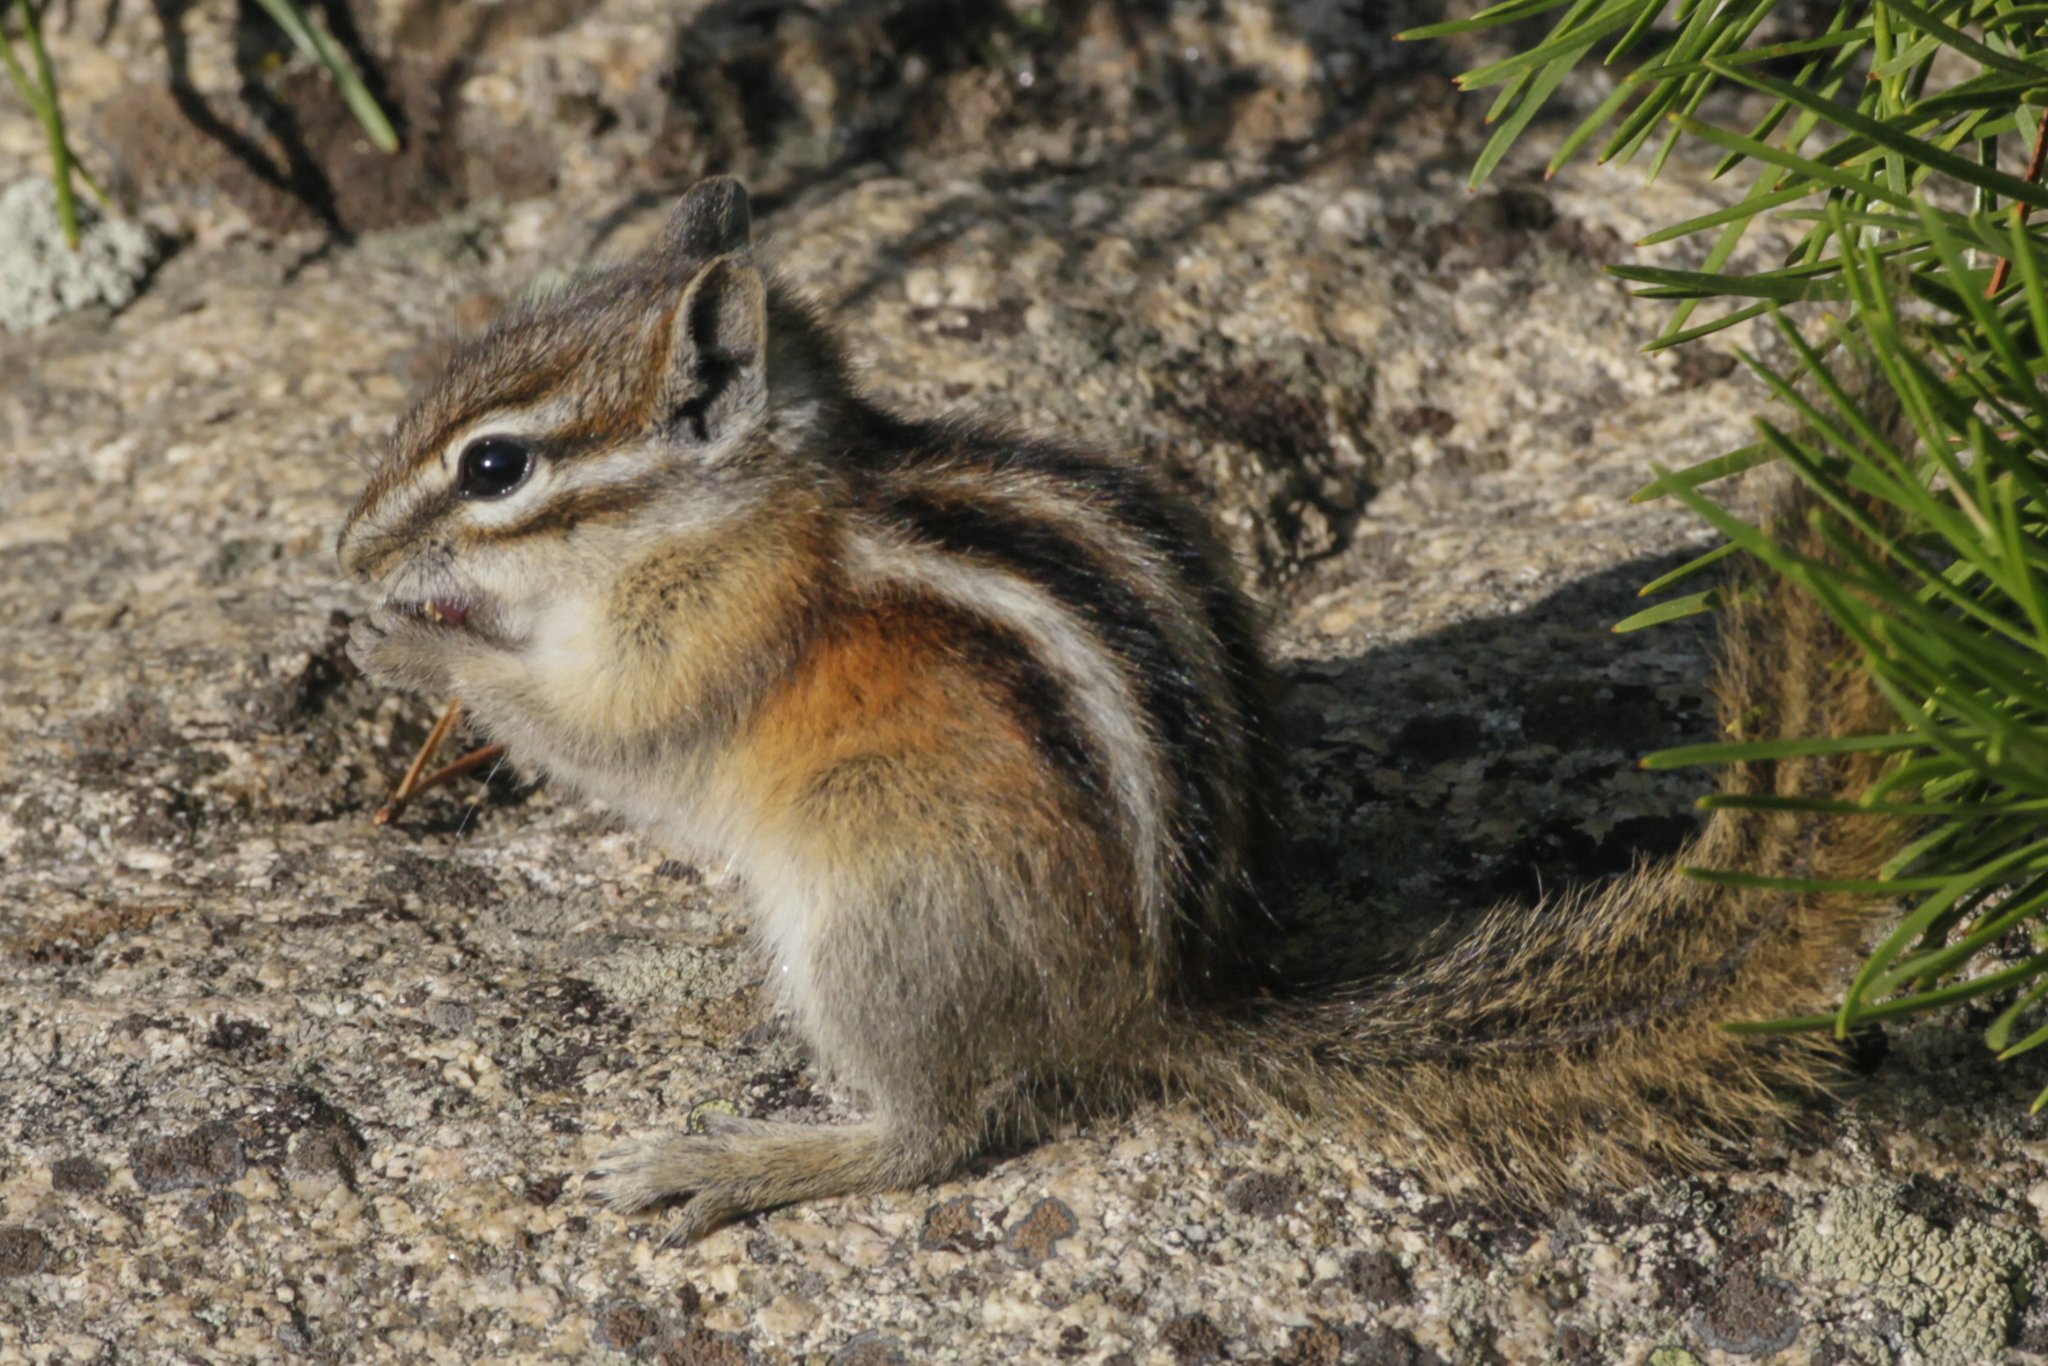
x: 641, y: 402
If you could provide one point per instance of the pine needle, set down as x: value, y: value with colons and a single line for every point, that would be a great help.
x: 1899, y: 115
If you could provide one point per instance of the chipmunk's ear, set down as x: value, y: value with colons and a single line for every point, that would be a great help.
x: 711, y: 220
x: 717, y: 378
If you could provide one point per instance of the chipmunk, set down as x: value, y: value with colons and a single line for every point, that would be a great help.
x: 982, y: 720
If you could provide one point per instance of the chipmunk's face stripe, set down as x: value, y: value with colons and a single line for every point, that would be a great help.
x: 433, y: 433
x: 422, y: 513
x: 1166, y: 682
x: 415, y: 488
x: 574, y: 507
x: 581, y: 358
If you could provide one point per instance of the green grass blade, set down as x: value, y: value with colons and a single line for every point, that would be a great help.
x: 1822, y: 175
x: 1737, y: 751
x: 1692, y: 605
x: 1887, y: 953
x: 1742, y: 211
x: 1958, y: 41
x: 1686, y: 570
x: 1706, y: 472
x: 41, y: 96
x: 1492, y: 17
x: 1684, y: 284
x: 1906, y: 1005
x: 1887, y: 135
x: 1573, y: 37
x: 1999, y: 1035
x: 315, y: 43
x: 1732, y: 318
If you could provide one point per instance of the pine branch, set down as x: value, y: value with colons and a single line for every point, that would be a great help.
x: 1917, y: 265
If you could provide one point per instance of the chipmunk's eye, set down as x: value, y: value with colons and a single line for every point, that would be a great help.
x: 492, y: 467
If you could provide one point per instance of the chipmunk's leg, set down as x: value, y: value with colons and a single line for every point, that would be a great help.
x: 886, y: 994
x: 940, y: 904
x: 754, y: 1165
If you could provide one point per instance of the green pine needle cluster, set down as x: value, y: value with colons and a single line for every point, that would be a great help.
x: 39, y: 93
x: 1904, y: 143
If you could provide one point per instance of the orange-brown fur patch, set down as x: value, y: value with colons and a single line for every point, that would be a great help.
x: 886, y: 683
x: 900, y: 723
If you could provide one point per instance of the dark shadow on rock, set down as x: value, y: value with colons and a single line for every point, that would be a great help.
x: 295, y: 167
x: 285, y: 146
x: 1492, y: 762
x: 910, y: 78
x: 339, y: 16
x: 290, y: 179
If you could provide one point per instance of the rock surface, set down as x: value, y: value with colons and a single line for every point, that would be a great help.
x: 275, y: 1084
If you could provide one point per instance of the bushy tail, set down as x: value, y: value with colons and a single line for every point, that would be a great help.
x: 1587, y: 1031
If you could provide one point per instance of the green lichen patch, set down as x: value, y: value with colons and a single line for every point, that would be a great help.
x: 1954, y: 1288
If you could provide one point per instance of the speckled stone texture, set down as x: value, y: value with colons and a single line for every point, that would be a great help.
x: 278, y: 1085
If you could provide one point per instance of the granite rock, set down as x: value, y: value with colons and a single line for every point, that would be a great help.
x: 277, y: 1083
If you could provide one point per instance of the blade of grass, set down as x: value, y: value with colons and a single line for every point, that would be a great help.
x: 1957, y: 40
x: 1889, y: 1010
x: 41, y: 97
x: 1492, y: 17
x: 1686, y: 570
x: 315, y: 43
x: 1692, y: 605
x: 1885, y: 134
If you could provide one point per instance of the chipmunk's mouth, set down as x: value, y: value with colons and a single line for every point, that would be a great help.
x: 447, y: 611
x: 460, y: 614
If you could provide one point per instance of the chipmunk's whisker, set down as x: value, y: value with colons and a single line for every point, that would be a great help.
x: 478, y: 804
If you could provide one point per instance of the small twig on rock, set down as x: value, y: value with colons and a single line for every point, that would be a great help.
x: 412, y: 784
x: 2033, y: 177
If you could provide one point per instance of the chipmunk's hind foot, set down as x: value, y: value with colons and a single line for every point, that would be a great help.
x: 745, y: 1165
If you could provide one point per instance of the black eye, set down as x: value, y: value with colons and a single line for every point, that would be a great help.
x: 492, y: 467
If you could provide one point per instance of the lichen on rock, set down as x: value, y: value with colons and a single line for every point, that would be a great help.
x: 1954, y: 1289
x: 42, y: 277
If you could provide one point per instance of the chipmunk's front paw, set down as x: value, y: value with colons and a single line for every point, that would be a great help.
x: 397, y: 649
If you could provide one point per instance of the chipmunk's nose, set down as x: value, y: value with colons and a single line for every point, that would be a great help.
x: 362, y: 553
x: 348, y: 550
